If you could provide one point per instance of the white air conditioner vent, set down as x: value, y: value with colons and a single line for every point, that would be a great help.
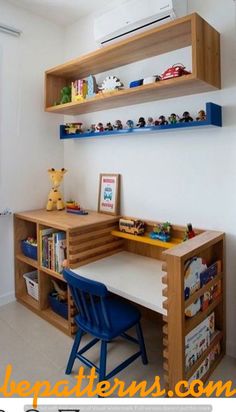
x: 135, y: 16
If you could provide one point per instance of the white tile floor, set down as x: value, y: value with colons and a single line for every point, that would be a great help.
x: 38, y: 351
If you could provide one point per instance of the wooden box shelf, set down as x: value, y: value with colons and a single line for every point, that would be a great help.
x: 191, y: 31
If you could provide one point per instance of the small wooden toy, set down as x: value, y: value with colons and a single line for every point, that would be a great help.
x: 186, y: 118
x: 118, y: 125
x: 55, y: 197
x: 72, y: 204
x: 73, y: 128
x: 130, y: 124
x: 109, y: 126
x: 111, y: 83
x: 150, y: 121
x: 173, y: 118
x: 99, y: 127
x: 141, y: 122
x: 132, y: 226
x: 162, y: 231
x: 92, y: 87
x: 201, y: 116
x: 78, y: 90
x: 162, y: 121
x: 189, y: 233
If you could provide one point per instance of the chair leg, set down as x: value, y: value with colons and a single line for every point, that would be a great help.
x: 74, y: 351
x: 103, y: 361
x: 141, y: 343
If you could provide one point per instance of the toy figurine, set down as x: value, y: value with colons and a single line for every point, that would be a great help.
x: 186, y: 118
x: 189, y: 233
x: 118, y: 125
x: 92, y: 128
x: 173, y: 118
x: 55, y: 196
x: 99, y: 127
x: 65, y: 94
x: 162, y: 121
x: 201, y: 116
x: 141, y: 122
x: 162, y: 231
x: 130, y: 124
x: 109, y: 127
x: 150, y: 121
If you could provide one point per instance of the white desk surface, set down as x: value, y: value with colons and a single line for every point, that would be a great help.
x: 131, y: 276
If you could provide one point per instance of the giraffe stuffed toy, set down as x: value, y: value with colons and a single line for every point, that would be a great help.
x: 55, y: 196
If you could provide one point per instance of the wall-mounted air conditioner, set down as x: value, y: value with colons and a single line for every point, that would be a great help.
x: 134, y: 16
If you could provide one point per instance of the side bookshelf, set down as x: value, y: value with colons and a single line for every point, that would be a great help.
x: 88, y: 238
x: 208, y: 245
x: 213, y: 119
x: 191, y: 30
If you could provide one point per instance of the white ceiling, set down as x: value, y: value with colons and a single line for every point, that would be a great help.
x: 63, y: 12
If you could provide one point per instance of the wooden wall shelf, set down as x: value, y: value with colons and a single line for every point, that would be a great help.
x: 213, y: 119
x: 191, y: 31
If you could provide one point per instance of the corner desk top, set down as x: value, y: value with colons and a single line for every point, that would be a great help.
x: 66, y: 221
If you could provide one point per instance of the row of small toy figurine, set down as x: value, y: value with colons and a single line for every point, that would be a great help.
x: 71, y: 128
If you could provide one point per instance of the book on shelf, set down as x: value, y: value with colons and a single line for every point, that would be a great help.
x: 208, y: 297
x: 198, y: 340
x: 206, y: 364
x: 52, y: 249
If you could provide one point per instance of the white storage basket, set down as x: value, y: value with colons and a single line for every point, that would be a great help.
x: 32, y: 285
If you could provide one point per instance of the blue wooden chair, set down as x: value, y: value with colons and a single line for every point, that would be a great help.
x: 105, y: 317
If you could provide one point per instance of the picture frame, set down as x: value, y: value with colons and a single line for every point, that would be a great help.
x: 109, y: 194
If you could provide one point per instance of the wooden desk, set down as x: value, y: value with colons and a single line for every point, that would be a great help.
x: 131, y: 267
x: 134, y: 277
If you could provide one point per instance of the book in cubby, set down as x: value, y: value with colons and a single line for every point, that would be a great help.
x: 52, y: 249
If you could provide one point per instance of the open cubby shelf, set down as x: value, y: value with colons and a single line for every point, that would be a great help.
x: 213, y: 119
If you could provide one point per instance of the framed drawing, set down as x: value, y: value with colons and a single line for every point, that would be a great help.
x: 109, y: 193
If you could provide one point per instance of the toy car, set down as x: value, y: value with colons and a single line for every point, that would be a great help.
x: 176, y: 70
x: 73, y: 128
x: 165, y: 237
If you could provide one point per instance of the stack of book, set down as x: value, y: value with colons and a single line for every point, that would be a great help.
x: 52, y: 249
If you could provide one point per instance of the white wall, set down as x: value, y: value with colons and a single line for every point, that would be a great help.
x: 29, y: 141
x: 178, y: 176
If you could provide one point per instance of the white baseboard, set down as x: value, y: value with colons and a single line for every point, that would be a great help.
x: 7, y: 298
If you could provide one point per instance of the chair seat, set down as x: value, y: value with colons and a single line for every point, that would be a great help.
x: 122, y: 316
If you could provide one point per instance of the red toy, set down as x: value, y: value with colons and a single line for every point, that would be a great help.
x: 176, y: 70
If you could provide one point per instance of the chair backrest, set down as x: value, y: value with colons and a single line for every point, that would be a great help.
x: 90, y: 299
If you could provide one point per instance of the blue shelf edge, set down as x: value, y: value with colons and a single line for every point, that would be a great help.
x: 213, y: 118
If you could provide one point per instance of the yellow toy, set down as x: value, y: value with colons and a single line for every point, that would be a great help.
x: 55, y: 196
